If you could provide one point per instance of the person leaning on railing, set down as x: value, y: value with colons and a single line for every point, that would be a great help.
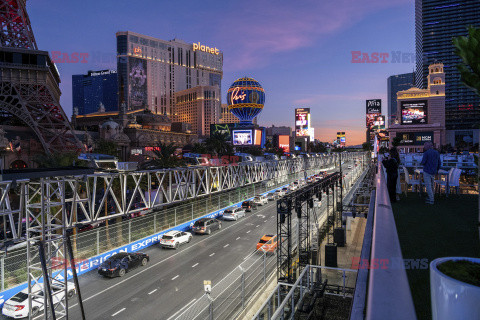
x: 431, y: 164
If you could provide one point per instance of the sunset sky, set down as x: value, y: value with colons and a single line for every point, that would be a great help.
x: 300, y: 51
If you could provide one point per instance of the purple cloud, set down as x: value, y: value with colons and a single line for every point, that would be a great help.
x: 258, y: 30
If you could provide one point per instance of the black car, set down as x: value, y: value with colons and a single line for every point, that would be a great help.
x: 121, y: 263
x: 249, y: 205
x: 206, y: 225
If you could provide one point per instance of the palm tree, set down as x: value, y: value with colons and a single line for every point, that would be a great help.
x: 199, y: 148
x: 468, y: 49
x: 219, y: 144
x: 165, y: 156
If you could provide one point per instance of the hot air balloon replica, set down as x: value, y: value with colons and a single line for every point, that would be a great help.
x: 245, y: 99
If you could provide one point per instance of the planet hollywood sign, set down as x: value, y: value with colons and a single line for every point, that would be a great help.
x: 200, y: 47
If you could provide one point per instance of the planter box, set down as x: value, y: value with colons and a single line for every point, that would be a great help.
x: 451, y: 298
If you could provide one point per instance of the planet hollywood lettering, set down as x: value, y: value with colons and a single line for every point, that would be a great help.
x: 236, y: 96
x: 201, y: 47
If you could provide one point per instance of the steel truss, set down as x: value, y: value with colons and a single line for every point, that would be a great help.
x: 16, y: 30
x: 50, y: 206
x: 301, y: 201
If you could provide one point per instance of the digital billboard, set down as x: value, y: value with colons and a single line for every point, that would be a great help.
x: 221, y: 129
x: 374, y: 106
x: 369, y: 120
x: 302, y: 122
x: 137, y: 83
x: 258, y: 137
x: 284, y: 142
x: 415, y: 138
x: 414, y: 112
x: 341, y: 138
x: 378, y: 123
x: 242, y: 137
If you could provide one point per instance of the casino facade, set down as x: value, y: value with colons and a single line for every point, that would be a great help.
x: 421, y: 113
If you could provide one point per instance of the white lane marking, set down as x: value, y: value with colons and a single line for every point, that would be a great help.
x: 265, y: 220
x: 226, y: 245
x: 237, y: 238
x: 113, y: 315
x: 154, y: 265
x: 183, y: 308
x: 211, y: 255
x: 196, y: 264
x: 257, y: 226
x: 175, y: 277
x: 152, y: 291
x: 248, y: 231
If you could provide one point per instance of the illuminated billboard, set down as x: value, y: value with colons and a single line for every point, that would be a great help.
x: 302, y: 122
x: 137, y: 83
x: 414, y: 112
x: 415, y: 138
x: 341, y: 138
x: 242, y: 137
x: 258, y: 137
x: 378, y: 123
x: 374, y: 106
x: 284, y: 142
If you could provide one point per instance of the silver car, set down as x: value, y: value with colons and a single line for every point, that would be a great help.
x: 233, y: 214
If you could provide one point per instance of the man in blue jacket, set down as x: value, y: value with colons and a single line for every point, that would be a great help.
x: 431, y: 164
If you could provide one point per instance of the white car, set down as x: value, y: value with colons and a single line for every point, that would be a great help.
x: 17, y: 306
x: 260, y: 200
x: 349, y: 166
x: 233, y: 214
x: 173, y: 239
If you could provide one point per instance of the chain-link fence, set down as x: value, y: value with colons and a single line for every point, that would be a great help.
x: 121, y: 231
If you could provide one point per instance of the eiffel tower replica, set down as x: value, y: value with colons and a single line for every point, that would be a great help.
x: 29, y: 81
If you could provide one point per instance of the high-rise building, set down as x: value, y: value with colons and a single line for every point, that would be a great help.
x: 226, y: 116
x: 199, y: 107
x: 436, y: 23
x: 151, y: 71
x: 93, y: 88
x: 395, y: 84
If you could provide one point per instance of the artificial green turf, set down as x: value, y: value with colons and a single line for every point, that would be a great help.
x: 447, y: 228
x: 462, y: 270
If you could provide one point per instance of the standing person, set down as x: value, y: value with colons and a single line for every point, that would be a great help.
x: 399, y: 185
x: 431, y: 164
x: 391, y: 166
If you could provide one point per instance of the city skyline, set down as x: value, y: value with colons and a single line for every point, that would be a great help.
x: 319, y: 41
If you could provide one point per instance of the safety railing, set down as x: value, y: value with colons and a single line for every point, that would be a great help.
x: 388, y: 290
